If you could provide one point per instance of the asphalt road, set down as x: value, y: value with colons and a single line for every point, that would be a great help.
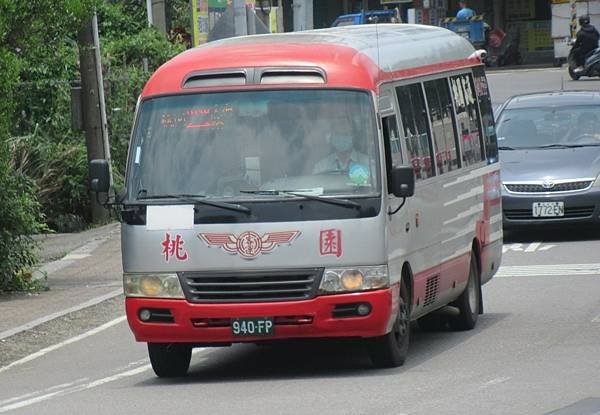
x: 535, y: 349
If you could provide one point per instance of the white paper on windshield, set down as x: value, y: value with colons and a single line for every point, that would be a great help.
x: 164, y: 218
x: 317, y: 191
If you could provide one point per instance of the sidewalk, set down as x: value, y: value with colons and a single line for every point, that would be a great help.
x: 89, y: 273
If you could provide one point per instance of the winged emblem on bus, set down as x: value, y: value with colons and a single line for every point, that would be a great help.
x: 248, y: 244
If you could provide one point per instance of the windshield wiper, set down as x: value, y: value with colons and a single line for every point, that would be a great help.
x: 330, y: 200
x: 506, y: 148
x: 199, y: 199
x: 558, y: 145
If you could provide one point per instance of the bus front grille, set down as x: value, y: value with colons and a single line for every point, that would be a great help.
x: 251, y: 286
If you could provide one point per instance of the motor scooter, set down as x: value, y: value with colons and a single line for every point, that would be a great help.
x: 590, y: 68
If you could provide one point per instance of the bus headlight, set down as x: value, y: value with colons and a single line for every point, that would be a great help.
x: 352, y: 279
x: 152, y: 285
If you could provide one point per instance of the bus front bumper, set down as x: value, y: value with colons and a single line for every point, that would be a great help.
x: 320, y: 317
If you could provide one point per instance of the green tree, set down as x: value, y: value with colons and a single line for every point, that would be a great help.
x: 27, y: 42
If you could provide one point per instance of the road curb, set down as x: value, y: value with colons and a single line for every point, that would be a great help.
x: 34, y: 323
x: 83, y: 251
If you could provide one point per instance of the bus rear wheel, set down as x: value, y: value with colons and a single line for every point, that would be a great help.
x: 469, y: 302
x: 391, y: 349
x: 170, y: 359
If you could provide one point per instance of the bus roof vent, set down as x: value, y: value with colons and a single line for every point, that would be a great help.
x: 210, y: 79
x: 292, y: 76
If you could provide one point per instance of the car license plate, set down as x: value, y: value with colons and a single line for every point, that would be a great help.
x: 548, y: 209
x: 256, y: 326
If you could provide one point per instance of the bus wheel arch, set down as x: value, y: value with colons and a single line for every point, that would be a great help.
x: 407, y: 278
x: 391, y: 349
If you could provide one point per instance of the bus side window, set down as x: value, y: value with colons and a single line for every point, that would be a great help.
x: 467, y: 118
x: 411, y: 104
x: 487, y: 116
x: 442, y: 125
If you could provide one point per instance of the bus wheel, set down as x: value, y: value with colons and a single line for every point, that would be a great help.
x: 469, y: 301
x: 170, y: 359
x: 391, y: 349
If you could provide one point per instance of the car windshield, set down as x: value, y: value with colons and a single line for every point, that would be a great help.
x: 235, y: 144
x: 539, y: 127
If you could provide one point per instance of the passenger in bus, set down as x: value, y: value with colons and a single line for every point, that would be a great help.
x: 343, y: 152
x: 464, y: 12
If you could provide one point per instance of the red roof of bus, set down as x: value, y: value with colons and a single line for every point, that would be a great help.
x: 352, y: 56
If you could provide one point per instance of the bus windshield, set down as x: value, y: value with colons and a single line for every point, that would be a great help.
x: 245, y: 144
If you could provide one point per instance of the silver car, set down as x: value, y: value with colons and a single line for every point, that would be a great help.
x: 550, y: 158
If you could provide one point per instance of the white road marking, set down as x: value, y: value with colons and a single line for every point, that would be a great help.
x: 548, y: 270
x: 532, y: 247
x: 494, y: 381
x: 77, y: 388
x: 596, y: 319
x: 50, y: 389
x: 56, y: 346
x: 45, y: 319
x: 65, y: 389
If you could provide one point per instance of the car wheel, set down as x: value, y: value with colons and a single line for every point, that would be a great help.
x: 574, y: 76
x: 391, y: 349
x: 468, y: 303
x: 170, y: 359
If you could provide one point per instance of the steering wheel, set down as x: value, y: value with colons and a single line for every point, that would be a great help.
x: 230, y: 185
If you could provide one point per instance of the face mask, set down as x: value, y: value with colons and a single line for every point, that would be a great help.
x: 341, y: 142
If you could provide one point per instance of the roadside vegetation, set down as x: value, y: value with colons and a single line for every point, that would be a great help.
x: 43, y: 161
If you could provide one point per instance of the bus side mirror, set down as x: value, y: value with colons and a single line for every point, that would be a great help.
x: 99, y: 176
x: 402, y: 181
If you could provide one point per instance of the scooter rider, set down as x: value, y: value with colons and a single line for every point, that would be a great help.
x: 587, y: 41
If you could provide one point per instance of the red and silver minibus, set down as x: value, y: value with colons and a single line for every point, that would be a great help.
x: 321, y: 184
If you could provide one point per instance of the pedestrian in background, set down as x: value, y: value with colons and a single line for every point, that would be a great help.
x: 464, y: 12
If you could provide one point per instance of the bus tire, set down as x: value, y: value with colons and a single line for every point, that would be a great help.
x: 170, y: 359
x: 469, y: 302
x: 391, y: 349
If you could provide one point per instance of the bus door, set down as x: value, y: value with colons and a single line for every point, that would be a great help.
x: 420, y: 227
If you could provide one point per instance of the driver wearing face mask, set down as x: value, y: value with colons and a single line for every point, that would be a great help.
x: 344, y: 155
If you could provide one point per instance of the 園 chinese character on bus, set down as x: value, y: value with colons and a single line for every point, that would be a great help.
x: 174, y: 247
x: 331, y: 242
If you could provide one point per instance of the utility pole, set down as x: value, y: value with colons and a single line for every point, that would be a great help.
x: 303, y: 14
x: 159, y: 15
x: 240, y: 22
x: 149, y: 12
x: 92, y: 105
